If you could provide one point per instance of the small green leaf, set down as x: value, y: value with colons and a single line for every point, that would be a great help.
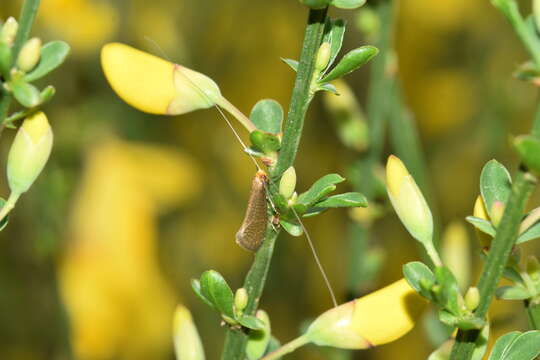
x: 267, y: 115
x: 448, y: 293
x: 47, y: 94
x: 196, y: 286
x: 495, y: 184
x: 292, y: 63
x: 512, y: 275
x: 512, y: 293
x: 26, y: 94
x: 348, y: 4
x: 53, y: 55
x: 5, y: 220
x: 470, y: 323
x: 334, y: 36
x: 530, y: 234
x: 292, y: 227
x: 314, y: 211
x: 319, y: 189
x: 258, y: 341
x: 482, y: 225
x: 6, y: 59
x: 528, y: 148
x: 273, y: 345
x: 251, y: 322
x: 448, y: 318
x: 264, y: 141
x: 215, y: 288
x: 526, y: 346
x: 502, y: 344
x: 329, y: 87
x: 351, y: 61
x: 416, y: 272
x: 350, y: 199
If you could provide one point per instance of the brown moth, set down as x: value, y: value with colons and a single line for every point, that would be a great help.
x: 251, y: 233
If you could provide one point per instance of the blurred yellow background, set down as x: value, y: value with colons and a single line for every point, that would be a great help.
x: 132, y: 206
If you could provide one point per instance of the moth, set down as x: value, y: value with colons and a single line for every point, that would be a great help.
x: 251, y: 233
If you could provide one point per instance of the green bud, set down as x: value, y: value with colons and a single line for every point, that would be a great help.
x: 287, y: 184
x: 29, y: 55
x: 472, y: 298
x: 29, y: 152
x: 241, y: 299
x: 258, y: 340
x: 47, y: 94
x: 323, y: 56
x: 316, y: 4
x: 9, y: 31
x: 533, y: 268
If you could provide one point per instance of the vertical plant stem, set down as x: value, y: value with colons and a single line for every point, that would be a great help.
x: 533, y: 313
x: 497, y: 258
x: 235, y: 340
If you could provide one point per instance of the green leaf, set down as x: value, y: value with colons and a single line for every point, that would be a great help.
x: 530, y: 234
x: 6, y: 59
x: 258, y: 341
x: 5, y: 220
x: 495, y: 184
x: 482, y: 225
x: 196, y: 286
x: 512, y: 293
x: 273, y: 345
x: 264, y: 141
x: 292, y: 63
x: 448, y: 318
x: 448, y: 293
x: 524, y: 347
x: 351, y: 61
x: 415, y: 273
x: 26, y: 94
x: 267, y: 115
x: 318, y: 190
x: 292, y: 227
x: 348, y: 4
x: 528, y: 148
x: 334, y: 36
x: 313, y: 211
x: 470, y: 323
x: 215, y: 288
x: 53, y: 55
x: 501, y: 344
x: 329, y: 87
x: 350, y: 199
x: 47, y: 94
x: 512, y: 275
x: 251, y: 322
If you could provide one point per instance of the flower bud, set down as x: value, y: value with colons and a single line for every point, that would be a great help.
x: 480, y: 211
x: 323, y: 56
x: 187, y: 344
x: 29, y: 55
x: 375, y: 319
x: 287, y: 184
x: 533, y: 268
x: 241, y: 299
x: 156, y: 86
x: 258, y: 340
x: 9, y: 31
x: 408, y: 201
x: 472, y: 298
x: 456, y: 252
x: 497, y: 211
x: 29, y: 152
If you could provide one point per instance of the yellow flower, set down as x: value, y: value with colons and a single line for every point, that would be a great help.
x: 156, y: 86
x: 376, y: 319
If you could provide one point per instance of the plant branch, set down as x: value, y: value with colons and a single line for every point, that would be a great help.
x: 235, y: 341
x: 26, y: 20
x: 497, y: 258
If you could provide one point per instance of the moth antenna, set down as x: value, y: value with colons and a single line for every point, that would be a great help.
x: 159, y: 48
x: 317, y: 260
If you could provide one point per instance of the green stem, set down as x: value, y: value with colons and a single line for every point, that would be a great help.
x: 301, y: 95
x: 496, y: 260
x: 287, y: 348
x: 235, y: 340
x: 26, y: 20
x: 533, y: 313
